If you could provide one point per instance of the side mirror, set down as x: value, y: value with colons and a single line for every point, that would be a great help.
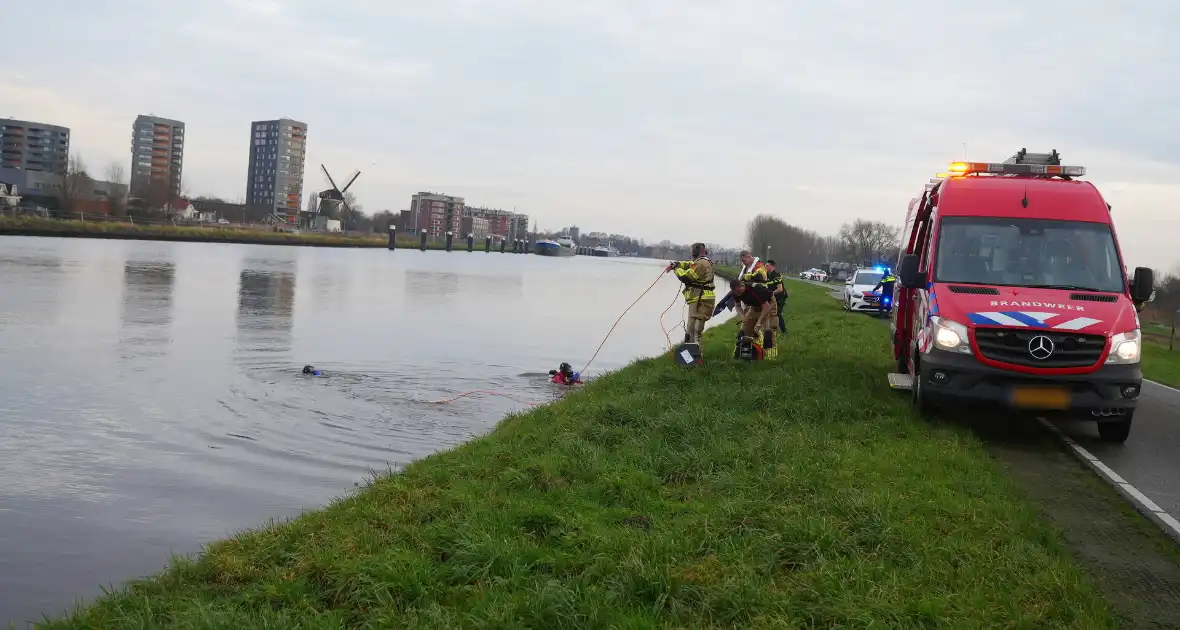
x: 907, y: 272
x: 1143, y: 285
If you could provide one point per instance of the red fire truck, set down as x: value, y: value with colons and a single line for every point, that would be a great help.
x: 1012, y: 290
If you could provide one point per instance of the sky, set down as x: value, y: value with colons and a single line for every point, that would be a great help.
x: 660, y: 119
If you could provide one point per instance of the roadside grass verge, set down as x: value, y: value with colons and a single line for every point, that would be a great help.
x: 795, y: 493
x: 1160, y: 364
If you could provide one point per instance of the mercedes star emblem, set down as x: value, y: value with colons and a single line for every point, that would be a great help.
x: 1040, y: 347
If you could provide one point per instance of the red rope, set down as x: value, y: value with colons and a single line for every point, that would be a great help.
x: 592, y: 357
x: 482, y: 391
x: 675, y: 298
x: 612, y: 328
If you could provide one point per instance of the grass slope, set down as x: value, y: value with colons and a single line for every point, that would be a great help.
x: 795, y: 493
x: 1160, y: 364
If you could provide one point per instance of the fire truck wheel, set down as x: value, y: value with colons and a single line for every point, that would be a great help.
x: 918, y: 391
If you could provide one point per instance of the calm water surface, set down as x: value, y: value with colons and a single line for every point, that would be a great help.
x: 150, y: 395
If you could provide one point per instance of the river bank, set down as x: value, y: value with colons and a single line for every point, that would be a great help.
x: 796, y: 492
x: 31, y: 226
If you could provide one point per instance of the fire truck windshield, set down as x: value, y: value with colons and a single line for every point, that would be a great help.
x: 1019, y: 252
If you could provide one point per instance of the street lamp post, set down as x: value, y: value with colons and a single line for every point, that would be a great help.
x: 768, y: 252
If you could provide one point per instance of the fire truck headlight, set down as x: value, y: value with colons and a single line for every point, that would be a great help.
x: 1125, y: 348
x: 949, y: 336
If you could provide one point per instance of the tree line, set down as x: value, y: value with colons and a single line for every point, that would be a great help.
x: 793, y: 248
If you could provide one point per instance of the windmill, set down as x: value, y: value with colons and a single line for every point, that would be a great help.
x: 333, y: 198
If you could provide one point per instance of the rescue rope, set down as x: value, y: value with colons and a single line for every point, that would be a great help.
x: 482, y: 391
x: 667, y: 333
x: 624, y: 313
x: 592, y: 357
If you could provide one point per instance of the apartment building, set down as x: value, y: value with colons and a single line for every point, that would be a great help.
x: 278, y: 152
x: 436, y: 213
x: 503, y: 223
x: 476, y: 226
x: 157, y: 158
x: 31, y: 146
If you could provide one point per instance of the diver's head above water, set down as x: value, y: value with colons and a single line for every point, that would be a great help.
x: 311, y: 369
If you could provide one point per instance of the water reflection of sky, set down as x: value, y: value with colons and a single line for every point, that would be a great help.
x: 150, y: 395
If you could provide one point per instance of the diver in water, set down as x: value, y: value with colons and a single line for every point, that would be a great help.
x: 565, y: 375
x: 312, y: 370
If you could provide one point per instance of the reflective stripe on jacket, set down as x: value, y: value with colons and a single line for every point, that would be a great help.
x: 757, y: 275
x: 697, y: 276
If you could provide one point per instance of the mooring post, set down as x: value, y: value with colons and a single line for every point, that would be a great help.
x: 392, y: 238
x: 470, y: 242
x: 503, y: 243
x: 422, y: 240
x: 526, y: 245
x: 487, y: 244
x: 450, y: 239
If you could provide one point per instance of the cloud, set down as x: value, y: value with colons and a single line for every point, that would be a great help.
x: 661, y: 118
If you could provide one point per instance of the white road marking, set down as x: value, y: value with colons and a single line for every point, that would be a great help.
x: 1142, y: 503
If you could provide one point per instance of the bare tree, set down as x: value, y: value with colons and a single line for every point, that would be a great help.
x: 117, y: 177
x: 791, y: 247
x: 352, y: 203
x: 869, y: 241
x: 313, y: 202
x: 74, y: 184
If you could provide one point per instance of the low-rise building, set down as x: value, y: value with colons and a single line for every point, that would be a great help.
x: 476, y: 226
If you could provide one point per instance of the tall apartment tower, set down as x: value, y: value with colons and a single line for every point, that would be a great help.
x: 278, y: 150
x: 31, y: 146
x: 157, y: 158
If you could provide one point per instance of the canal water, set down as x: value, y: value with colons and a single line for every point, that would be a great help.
x: 151, y: 396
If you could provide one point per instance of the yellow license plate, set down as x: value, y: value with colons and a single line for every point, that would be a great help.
x: 1040, y: 397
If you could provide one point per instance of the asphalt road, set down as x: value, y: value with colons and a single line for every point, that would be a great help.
x: 1150, y: 458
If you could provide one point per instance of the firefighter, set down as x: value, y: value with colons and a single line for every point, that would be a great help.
x: 699, y: 291
x: 753, y: 270
x: 760, y: 311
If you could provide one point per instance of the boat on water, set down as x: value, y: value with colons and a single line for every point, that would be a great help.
x: 560, y: 247
x: 605, y: 250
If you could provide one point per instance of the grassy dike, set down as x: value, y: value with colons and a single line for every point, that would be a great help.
x: 801, y: 492
x: 1160, y: 364
x: 34, y: 226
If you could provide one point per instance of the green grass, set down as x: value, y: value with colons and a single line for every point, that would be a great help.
x: 1160, y: 364
x: 796, y: 493
x: 728, y: 272
x: 114, y: 229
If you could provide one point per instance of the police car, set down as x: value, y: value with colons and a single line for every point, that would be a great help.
x: 859, y: 296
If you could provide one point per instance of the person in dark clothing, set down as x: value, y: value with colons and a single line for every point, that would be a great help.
x: 774, y: 280
x: 759, y: 309
x: 885, y: 286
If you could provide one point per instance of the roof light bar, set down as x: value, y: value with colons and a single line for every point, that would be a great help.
x: 994, y: 168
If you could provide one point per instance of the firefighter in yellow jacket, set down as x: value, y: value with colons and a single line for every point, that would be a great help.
x: 699, y: 295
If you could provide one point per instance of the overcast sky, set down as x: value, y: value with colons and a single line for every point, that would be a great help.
x: 661, y: 119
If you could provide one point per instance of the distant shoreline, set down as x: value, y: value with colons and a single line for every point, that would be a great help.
x: 51, y: 228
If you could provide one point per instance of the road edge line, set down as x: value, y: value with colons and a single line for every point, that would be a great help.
x: 1158, y: 384
x: 1140, y: 501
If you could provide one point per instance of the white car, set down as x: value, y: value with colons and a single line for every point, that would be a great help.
x: 858, y: 291
x: 814, y: 274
